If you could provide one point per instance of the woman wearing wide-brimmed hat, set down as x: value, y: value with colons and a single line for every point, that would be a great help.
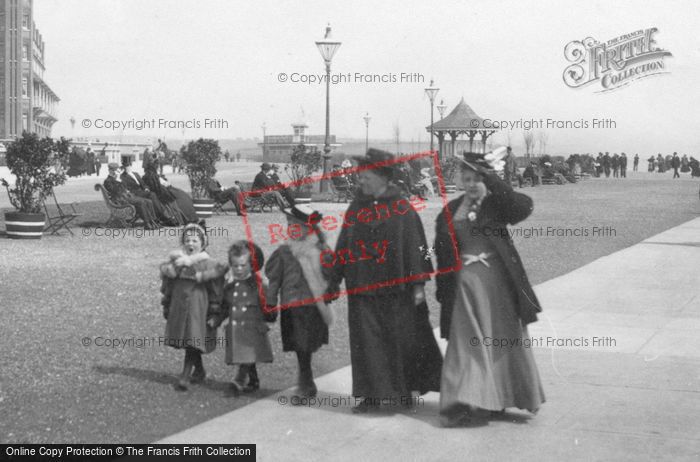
x: 392, y: 349
x: 485, y: 302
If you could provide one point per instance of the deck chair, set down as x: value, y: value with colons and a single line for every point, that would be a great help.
x: 58, y: 219
x: 219, y: 208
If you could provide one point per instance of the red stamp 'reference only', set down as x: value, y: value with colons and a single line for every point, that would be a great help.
x: 278, y: 233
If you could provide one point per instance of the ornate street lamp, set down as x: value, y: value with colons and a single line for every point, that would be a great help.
x: 431, y: 91
x: 367, y: 119
x: 327, y: 47
x: 441, y: 109
x: 264, y: 128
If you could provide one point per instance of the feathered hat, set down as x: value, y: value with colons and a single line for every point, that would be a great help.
x: 492, y: 161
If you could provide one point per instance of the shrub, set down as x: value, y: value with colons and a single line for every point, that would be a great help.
x: 200, y: 159
x: 305, y: 161
x: 36, y: 164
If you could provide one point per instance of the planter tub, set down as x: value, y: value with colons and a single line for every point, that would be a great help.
x: 24, y: 225
x: 203, y: 207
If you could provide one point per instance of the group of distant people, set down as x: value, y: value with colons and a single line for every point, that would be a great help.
x: 683, y: 164
x: 230, y: 157
x: 605, y: 164
x: 84, y: 162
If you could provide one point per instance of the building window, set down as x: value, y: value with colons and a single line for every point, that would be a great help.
x: 25, y: 21
x: 25, y: 86
x: 25, y: 52
x: 25, y: 121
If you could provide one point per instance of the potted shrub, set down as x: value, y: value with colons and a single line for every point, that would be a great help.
x: 36, y: 164
x: 200, y: 158
x: 305, y: 161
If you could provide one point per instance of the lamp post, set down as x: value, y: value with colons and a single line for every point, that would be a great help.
x: 264, y: 142
x: 327, y: 47
x: 431, y: 91
x: 367, y: 119
x: 441, y: 109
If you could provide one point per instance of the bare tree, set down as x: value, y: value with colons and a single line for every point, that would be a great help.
x: 529, y: 139
x: 542, y: 137
x: 397, y: 136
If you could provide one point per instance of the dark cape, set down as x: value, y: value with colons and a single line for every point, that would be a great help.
x: 406, y: 249
x: 392, y: 347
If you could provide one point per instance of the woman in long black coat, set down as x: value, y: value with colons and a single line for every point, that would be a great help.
x: 383, y: 261
x: 176, y: 200
x: 486, y: 301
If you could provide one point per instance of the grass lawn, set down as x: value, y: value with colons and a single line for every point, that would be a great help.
x: 60, y: 290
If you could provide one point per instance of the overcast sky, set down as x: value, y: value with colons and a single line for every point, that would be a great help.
x: 192, y: 60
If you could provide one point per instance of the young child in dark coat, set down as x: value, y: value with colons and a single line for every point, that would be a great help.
x: 191, y: 297
x: 296, y: 279
x: 247, y: 342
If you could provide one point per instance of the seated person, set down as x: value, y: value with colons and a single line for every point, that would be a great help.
x: 119, y: 194
x: 341, y: 181
x: 221, y: 196
x: 551, y: 174
x: 351, y: 176
x: 286, y: 193
x: 133, y: 182
x: 532, y: 173
x: 263, y: 181
x: 342, y: 184
x: 403, y: 179
x: 426, y: 181
x: 178, y: 203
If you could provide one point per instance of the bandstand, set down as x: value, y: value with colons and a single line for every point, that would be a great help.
x: 461, y: 121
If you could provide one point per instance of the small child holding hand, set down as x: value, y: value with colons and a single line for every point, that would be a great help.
x: 191, y: 297
x: 247, y: 342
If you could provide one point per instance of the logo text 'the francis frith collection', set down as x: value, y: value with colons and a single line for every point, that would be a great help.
x: 616, y: 62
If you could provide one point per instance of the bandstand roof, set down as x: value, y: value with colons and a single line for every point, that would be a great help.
x: 462, y: 118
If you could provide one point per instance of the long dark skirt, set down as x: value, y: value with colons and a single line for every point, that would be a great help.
x: 184, y: 204
x: 163, y: 213
x: 390, y: 355
x: 303, y: 329
x: 428, y: 363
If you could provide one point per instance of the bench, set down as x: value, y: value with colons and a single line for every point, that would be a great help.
x: 558, y: 178
x: 259, y: 202
x: 120, y: 215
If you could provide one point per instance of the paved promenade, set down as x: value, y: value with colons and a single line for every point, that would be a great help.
x: 619, y: 353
